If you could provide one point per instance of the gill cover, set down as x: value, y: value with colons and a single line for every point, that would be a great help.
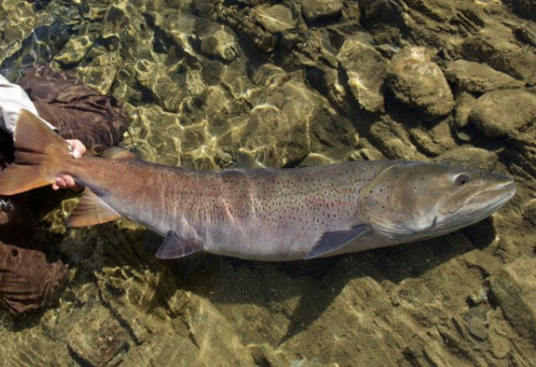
x: 405, y: 198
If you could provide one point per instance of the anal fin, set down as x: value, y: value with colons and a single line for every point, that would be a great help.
x: 175, y: 246
x: 332, y: 241
x: 91, y: 210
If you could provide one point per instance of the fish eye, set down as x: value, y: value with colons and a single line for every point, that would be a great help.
x: 462, y: 179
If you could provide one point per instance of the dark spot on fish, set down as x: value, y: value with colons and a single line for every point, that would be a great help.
x: 15, y: 253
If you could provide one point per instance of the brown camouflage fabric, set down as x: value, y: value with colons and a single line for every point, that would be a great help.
x: 75, y: 109
x: 27, y: 280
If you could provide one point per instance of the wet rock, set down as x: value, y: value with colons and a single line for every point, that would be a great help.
x: 264, y: 40
x: 529, y: 212
x: 393, y: 140
x: 314, y: 159
x: 477, y: 322
x: 415, y: 81
x: 277, y: 132
x: 498, y: 49
x: 525, y: 35
x: 464, y: 105
x: 516, y: 295
x: 75, y: 49
x: 523, y: 8
x: 276, y: 18
x: 504, y: 112
x: 315, y: 10
x: 129, y: 294
x: 479, y: 78
x: 98, y: 339
x: 99, y: 74
x: 155, y: 77
x: 365, y: 71
x: 469, y: 157
x: 220, y: 43
x: 165, y: 350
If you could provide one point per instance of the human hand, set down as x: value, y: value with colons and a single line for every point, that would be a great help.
x: 78, y: 149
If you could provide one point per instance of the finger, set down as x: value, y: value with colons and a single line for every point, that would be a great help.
x: 60, y: 183
x: 78, y: 148
x: 69, y: 181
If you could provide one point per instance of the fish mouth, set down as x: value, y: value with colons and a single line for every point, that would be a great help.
x: 496, y: 196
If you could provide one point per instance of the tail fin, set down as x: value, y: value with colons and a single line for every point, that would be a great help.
x: 40, y: 156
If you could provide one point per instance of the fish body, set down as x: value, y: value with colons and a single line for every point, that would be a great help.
x: 263, y: 214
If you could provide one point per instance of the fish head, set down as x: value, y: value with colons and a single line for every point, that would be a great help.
x: 411, y: 201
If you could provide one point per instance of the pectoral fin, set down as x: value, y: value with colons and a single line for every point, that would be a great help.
x: 91, y: 210
x: 333, y: 241
x: 175, y: 246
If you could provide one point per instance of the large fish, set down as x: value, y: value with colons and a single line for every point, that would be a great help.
x: 262, y: 214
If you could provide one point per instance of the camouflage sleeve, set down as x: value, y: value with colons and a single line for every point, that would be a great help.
x: 12, y: 100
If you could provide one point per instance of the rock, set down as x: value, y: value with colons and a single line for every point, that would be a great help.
x: 477, y: 322
x: 277, y: 132
x: 525, y: 35
x: 220, y: 43
x: 504, y: 112
x: 98, y: 339
x: 464, y: 105
x: 75, y: 49
x: 501, y: 53
x: 365, y: 70
x: 469, y: 157
x: 165, y: 350
x: 316, y: 10
x: 263, y: 40
x: 314, y: 159
x: 516, y: 296
x: 415, y: 81
x: 276, y: 18
x: 523, y: 8
x: 529, y: 212
x: 479, y: 78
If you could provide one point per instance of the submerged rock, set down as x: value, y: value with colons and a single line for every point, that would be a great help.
x: 315, y: 10
x: 418, y: 83
x: 276, y: 18
x: 221, y: 43
x: 366, y: 70
x: 504, y: 112
x: 497, y: 49
x: 469, y: 157
x: 98, y: 339
x: 479, y: 78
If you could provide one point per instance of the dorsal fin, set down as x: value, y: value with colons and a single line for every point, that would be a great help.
x: 118, y: 153
x: 91, y: 210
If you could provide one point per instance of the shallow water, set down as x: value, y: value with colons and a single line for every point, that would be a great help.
x: 293, y: 83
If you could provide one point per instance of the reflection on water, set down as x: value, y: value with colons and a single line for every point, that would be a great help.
x: 290, y: 83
